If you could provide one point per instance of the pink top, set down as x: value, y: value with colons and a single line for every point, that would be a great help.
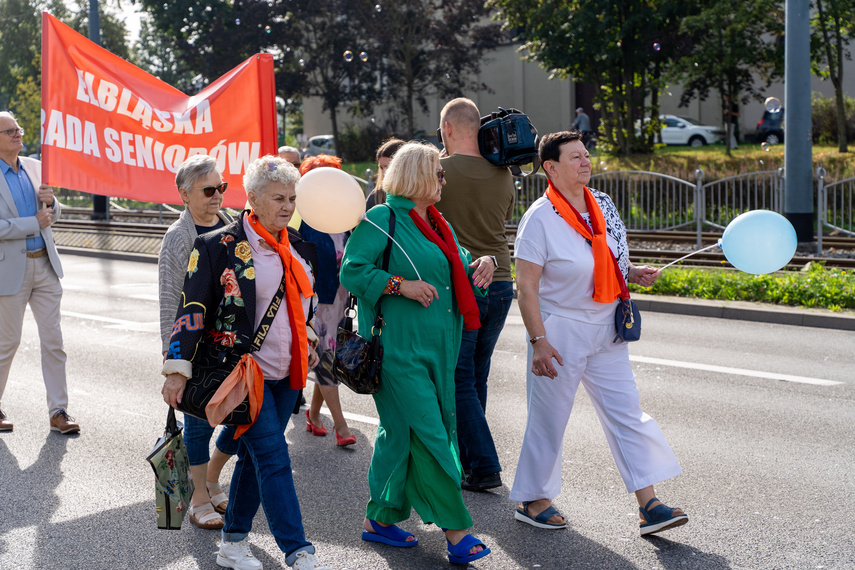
x: 274, y: 357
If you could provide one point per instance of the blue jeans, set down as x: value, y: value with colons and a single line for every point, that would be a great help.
x: 197, y: 439
x: 263, y: 477
x: 477, y: 450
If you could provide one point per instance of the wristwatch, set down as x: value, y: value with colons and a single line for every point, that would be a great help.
x: 534, y: 339
x: 495, y: 261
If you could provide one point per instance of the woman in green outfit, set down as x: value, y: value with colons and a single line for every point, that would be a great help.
x: 427, y: 298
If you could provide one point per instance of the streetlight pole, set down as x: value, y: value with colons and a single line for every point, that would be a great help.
x: 798, y: 151
x: 100, y: 204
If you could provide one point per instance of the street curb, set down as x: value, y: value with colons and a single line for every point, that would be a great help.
x: 105, y: 254
x: 746, y: 311
x: 734, y: 310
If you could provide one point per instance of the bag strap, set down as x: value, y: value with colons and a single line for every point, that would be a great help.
x: 624, y: 292
x: 171, y: 422
x: 350, y: 310
x: 269, y: 314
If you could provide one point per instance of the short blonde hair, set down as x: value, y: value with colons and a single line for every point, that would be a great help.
x: 463, y: 114
x: 262, y: 171
x: 412, y: 172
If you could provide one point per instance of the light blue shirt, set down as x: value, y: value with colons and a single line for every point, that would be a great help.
x: 25, y: 199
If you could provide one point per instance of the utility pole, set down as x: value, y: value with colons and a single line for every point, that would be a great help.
x: 100, y: 204
x: 798, y: 148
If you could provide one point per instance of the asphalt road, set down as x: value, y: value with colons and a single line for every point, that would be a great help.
x: 760, y: 416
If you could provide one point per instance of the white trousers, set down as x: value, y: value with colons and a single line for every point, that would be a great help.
x: 642, y: 455
x: 42, y: 291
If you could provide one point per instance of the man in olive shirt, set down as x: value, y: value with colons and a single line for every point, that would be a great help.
x: 477, y: 199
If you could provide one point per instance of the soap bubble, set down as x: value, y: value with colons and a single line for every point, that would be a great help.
x: 773, y: 104
x: 378, y: 8
x: 363, y: 56
x: 656, y: 46
x: 165, y: 6
x: 348, y: 56
x: 448, y: 76
x: 237, y: 21
x: 267, y: 29
x: 765, y: 146
x: 302, y: 63
x: 518, y: 185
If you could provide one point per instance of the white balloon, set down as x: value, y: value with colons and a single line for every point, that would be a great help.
x: 330, y: 200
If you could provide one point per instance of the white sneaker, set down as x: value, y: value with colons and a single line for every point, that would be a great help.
x: 306, y: 561
x: 237, y: 555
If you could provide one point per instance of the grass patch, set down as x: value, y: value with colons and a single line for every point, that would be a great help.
x: 815, y: 286
x: 681, y: 162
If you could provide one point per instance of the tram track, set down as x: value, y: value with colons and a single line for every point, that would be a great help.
x: 656, y: 248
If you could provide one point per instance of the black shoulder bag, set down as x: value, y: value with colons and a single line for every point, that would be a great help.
x: 357, y: 359
x: 214, y: 362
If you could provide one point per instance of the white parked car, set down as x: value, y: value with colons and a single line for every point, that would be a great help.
x: 687, y: 131
x: 320, y: 144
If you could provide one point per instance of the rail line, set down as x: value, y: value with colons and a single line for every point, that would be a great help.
x: 671, y: 245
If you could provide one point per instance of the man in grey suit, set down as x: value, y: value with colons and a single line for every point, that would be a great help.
x: 30, y: 271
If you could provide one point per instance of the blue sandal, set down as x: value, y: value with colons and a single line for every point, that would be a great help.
x: 542, y: 519
x: 391, y: 535
x: 459, y: 553
x: 660, y: 518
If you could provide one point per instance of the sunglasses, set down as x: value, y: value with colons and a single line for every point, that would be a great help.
x: 209, y: 190
x: 440, y: 175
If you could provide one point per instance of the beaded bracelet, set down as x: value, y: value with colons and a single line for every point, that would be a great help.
x: 395, y: 284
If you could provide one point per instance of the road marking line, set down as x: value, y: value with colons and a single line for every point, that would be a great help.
x: 347, y: 415
x: 736, y: 371
x: 110, y: 320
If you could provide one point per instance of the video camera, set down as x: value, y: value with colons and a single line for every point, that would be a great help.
x: 507, y: 138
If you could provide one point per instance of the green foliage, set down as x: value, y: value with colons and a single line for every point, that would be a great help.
x: 824, y: 123
x: 736, y: 43
x: 359, y: 144
x: 815, y: 286
x: 623, y: 47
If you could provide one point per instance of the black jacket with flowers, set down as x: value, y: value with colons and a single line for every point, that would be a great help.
x: 218, y: 299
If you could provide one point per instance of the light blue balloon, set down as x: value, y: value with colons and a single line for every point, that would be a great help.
x: 759, y: 242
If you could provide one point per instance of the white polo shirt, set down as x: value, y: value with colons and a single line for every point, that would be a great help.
x: 567, y: 283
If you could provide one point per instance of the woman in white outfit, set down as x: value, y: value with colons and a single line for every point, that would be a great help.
x: 566, y: 247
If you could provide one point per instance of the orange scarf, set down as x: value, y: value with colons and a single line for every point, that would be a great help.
x: 246, y: 379
x: 606, y: 285
x: 296, y: 283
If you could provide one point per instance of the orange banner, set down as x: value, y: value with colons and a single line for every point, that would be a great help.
x: 109, y: 128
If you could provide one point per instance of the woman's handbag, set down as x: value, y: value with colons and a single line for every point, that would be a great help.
x: 357, y: 360
x: 172, y: 485
x: 627, y: 317
x: 214, y: 362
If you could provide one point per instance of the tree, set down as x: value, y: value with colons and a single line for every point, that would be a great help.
x: 734, y: 44
x: 336, y: 56
x: 624, y: 48
x: 832, y: 28
x: 153, y: 54
x: 431, y: 47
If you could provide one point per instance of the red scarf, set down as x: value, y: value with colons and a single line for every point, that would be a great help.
x: 296, y: 283
x: 607, y: 288
x: 459, y: 278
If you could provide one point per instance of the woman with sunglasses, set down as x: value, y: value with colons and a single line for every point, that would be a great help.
x: 427, y: 298
x: 201, y: 189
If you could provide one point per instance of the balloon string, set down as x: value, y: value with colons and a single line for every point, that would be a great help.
x: 396, y: 243
x: 717, y: 244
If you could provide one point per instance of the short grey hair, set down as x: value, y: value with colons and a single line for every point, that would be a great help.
x: 262, y: 171
x: 8, y: 115
x: 288, y: 149
x: 191, y: 170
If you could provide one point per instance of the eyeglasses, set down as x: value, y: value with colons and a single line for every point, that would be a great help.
x: 209, y: 190
x: 440, y: 175
x: 13, y: 132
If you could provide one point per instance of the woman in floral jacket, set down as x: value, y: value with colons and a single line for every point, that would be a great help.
x: 232, y: 276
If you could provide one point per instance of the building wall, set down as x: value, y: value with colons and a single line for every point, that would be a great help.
x: 550, y: 103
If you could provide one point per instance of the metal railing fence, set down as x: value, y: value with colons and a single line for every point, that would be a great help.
x: 835, y: 206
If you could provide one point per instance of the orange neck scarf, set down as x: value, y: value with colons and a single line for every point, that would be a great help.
x: 606, y: 285
x: 296, y: 283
